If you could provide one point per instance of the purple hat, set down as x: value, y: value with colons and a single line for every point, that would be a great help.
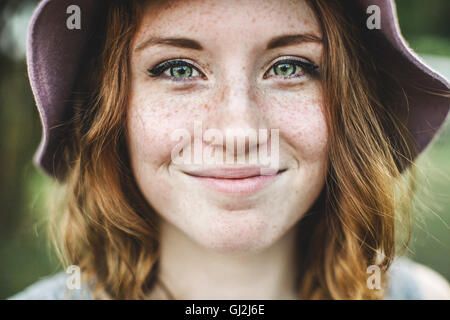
x: 55, y: 53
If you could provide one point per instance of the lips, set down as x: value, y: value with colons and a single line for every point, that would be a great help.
x: 240, y: 181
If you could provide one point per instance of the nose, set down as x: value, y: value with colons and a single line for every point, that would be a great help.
x: 238, y: 116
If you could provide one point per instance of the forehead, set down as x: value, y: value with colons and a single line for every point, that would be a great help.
x: 231, y: 19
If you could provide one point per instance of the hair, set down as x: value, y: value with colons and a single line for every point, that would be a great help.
x: 106, y: 227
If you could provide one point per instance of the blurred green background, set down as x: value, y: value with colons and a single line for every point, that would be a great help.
x: 24, y: 254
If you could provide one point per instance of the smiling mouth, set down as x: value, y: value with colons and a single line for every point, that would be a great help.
x: 241, y: 181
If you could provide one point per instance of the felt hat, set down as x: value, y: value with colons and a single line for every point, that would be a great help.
x: 56, y: 48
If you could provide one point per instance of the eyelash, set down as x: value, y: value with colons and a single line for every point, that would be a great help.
x: 306, y: 66
x: 157, y: 71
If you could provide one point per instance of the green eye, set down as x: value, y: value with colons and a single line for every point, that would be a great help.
x: 291, y: 68
x: 181, y: 72
x: 284, y: 69
x: 175, y: 70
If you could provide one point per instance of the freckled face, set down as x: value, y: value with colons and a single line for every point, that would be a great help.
x: 232, y: 75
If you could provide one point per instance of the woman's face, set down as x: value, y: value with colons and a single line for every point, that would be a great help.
x: 241, y: 65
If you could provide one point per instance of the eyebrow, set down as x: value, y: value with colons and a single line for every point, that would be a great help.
x: 288, y: 40
x: 174, y: 42
x: 277, y: 42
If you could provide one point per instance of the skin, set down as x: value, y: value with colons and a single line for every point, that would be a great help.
x: 244, y: 244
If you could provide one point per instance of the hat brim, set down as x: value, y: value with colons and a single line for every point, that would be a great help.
x: 54, y: 57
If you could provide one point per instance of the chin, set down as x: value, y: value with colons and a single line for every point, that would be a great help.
x: 236, y: 232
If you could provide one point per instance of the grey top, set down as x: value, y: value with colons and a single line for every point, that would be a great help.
x: 408, y: 280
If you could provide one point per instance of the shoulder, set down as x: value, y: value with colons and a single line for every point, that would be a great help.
x: 409, y: 280
x: 53, y: 288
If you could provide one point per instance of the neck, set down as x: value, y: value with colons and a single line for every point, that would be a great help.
x: 191, y: 271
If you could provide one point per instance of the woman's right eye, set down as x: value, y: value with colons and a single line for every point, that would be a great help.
x: 178, y: 70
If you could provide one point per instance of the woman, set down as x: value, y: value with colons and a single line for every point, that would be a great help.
x: 137, y: 103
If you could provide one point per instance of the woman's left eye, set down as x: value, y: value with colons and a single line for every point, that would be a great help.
x: 291, y: 68
x: 175, y: 69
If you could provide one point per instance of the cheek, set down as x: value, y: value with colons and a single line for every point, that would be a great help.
x: 301, y: 119
x: 152, y: 120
